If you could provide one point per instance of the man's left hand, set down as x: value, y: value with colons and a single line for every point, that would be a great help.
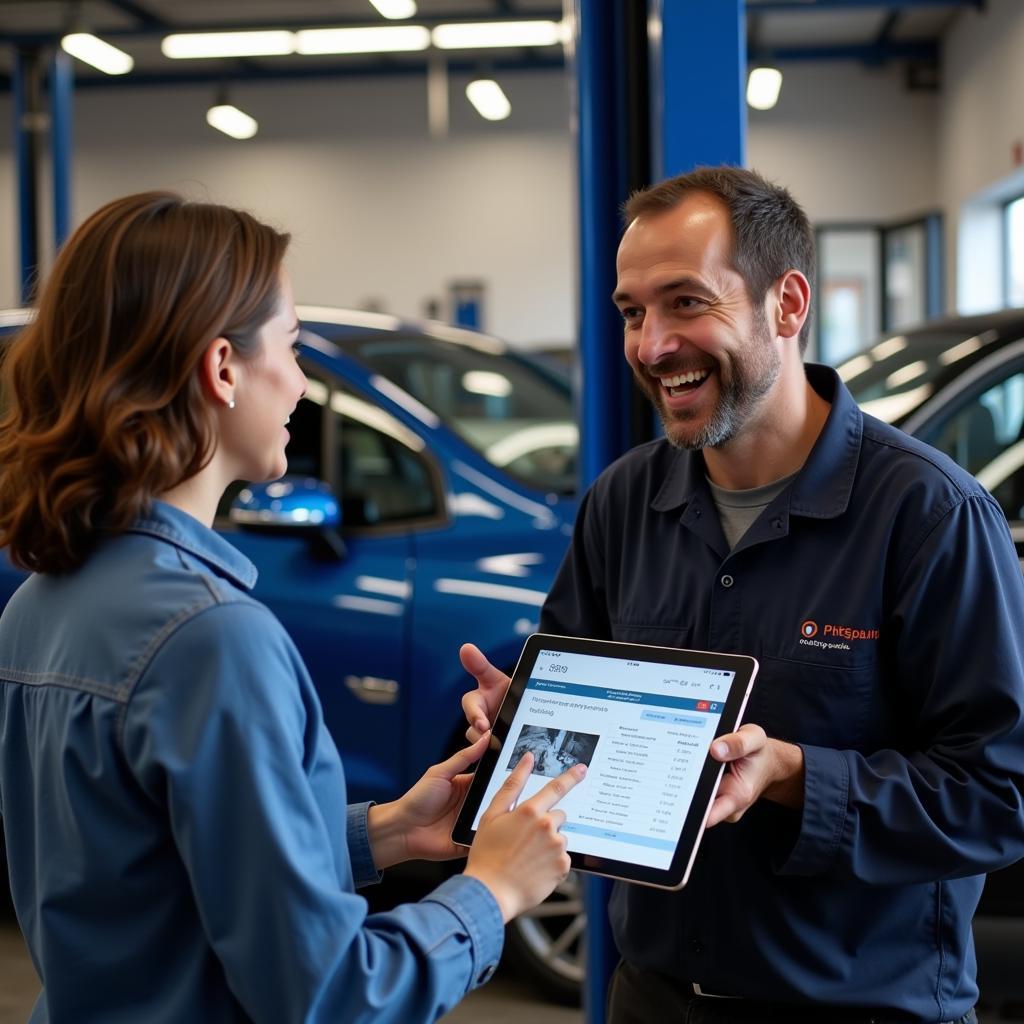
x: 756, y: 766
x: 418, y: 825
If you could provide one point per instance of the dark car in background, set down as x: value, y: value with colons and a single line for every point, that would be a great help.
x: 959, y: 385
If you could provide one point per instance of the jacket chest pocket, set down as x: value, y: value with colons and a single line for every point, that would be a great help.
x: 825, y: 706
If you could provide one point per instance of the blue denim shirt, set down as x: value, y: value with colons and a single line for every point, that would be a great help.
x: 882, y: 596
x: 179, y: 843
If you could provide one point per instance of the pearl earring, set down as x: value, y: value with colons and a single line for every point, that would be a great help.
x: 231, y: 404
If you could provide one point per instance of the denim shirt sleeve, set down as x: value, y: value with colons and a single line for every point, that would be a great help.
x: 224, y: 733
x: 951, y: 804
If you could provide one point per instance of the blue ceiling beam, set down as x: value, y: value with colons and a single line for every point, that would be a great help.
x: 264, y: 73
x: 868, y: 53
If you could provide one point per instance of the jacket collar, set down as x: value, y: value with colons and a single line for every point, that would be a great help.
x: 184, y: 531
x: 823, y: 485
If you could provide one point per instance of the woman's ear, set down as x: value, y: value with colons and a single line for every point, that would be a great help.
x: 218, y: 372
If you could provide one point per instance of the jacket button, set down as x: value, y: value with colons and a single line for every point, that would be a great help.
x: 727, y: 580
x: 696, y: 946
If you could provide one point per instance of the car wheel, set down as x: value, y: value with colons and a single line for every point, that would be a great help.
x: 548, y: 944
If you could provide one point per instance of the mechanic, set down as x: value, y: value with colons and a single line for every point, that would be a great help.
x: 880, y: 775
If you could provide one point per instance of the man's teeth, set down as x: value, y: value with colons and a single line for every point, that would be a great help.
x: 691, y: 377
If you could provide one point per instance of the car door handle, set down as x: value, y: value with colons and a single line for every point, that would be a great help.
x: 371, y: 690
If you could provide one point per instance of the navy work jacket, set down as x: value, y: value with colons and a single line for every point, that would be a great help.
x: 883, y: 598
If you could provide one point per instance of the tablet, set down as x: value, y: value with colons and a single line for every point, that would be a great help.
x: 642, y: 718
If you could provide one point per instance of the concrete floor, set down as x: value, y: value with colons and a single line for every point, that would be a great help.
x: 505, y: 1000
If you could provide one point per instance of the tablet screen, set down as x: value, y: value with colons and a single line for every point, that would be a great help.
x: 642, y: 725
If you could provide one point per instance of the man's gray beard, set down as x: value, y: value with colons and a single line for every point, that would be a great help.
x: 752, y: 380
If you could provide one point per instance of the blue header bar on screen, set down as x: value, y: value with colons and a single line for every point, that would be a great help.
x: 627, y: 696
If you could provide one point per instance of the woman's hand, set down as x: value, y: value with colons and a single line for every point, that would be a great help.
x: 480, y: 706
x: 418, y: 825
x: 519, y: 852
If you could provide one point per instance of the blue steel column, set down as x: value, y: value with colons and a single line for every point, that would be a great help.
x: 696, y: 56
x: 61, y: 98
x: 698, y: 61
x: 605, y: 398
x: 26, y: 159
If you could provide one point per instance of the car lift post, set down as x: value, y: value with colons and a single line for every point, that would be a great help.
x: 659, y: 89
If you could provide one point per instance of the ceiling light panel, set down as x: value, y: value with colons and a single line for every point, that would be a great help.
x: 94, y: 51
x: 192, y: 45
x: 489, y: 99
x: 382, y: 39
x: 763, y: 87
x: 231, y: 121
x: 487, y: 34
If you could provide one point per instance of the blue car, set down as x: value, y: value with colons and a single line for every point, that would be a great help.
x: 429, y: 502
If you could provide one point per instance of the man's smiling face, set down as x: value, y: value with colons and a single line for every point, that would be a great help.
x: 696, y: 344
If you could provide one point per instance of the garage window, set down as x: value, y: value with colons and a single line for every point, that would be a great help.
x: 1013, y: 229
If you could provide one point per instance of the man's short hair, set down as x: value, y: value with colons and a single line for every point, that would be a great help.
x: 771, y: 232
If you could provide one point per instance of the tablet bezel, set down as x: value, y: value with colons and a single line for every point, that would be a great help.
x: 677, y: 873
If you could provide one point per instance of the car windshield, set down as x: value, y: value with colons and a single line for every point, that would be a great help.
x: 516, y: 413
x: 891, y: 379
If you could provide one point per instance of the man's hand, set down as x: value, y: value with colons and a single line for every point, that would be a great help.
x: 757, y: 766
x: 481, y: 705
x: 418, y: 826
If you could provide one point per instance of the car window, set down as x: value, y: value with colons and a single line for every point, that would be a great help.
x: 515, y: 412
x: 376, y: 465
x: 984, y: 433
x: 894, y: 377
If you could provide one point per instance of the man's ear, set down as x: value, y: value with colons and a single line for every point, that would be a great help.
x: 789, y: 304
x: 218, y: 372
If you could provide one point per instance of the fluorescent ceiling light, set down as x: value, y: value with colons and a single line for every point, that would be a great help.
x: 474, y: 35
x: 185, y: 46
x: 383, y: 39
x: 395, y: 9
x: 763, y: 87
x: 489, y: 99
x: 231, y: 121
x: 92, y: 50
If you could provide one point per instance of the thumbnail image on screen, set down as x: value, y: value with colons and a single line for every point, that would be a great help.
x: 554, y: 750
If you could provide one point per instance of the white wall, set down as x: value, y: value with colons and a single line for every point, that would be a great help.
x: 851, y: 143
x: 980, y: 121
x: 380, y: 213
x: 383, y: 214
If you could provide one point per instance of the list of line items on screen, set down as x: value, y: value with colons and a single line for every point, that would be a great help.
x: 643, y: 729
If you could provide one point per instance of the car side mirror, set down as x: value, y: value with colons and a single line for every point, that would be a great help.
x: 296, y: 506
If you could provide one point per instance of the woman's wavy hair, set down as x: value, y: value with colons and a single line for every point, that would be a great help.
x: 105, y: 409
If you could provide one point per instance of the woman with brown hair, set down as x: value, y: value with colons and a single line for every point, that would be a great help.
x: 178, y: 839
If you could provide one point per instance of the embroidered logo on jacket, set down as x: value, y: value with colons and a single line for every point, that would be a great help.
x: 832, y: 636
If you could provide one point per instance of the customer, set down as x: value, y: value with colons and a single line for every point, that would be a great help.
x: 882, y: 772
x: 179, y: 844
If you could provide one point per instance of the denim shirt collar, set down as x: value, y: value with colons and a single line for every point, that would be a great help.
x: 186, y: 532
x: 823, y: 485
